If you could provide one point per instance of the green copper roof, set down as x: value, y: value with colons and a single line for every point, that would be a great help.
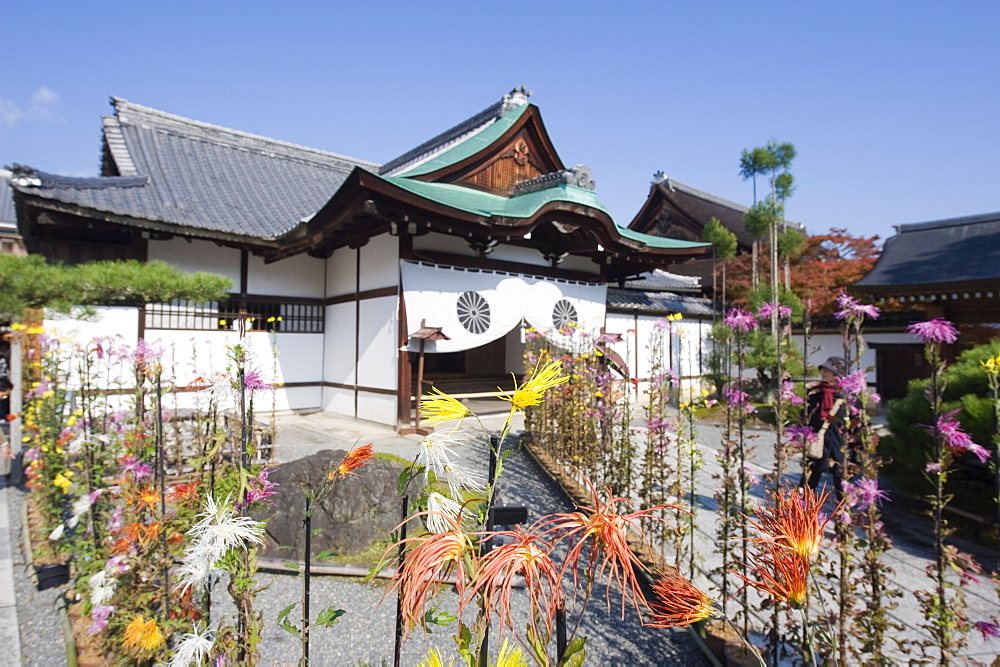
x: 470, y: 146
x: 485, y: 204
x: 659, y: 241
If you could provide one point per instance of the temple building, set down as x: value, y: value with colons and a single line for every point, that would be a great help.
x: 364, y: 276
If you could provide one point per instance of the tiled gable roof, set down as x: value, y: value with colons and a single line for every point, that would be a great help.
x: 630, y: 300
x: 957, y: 251
x: 201, y: 176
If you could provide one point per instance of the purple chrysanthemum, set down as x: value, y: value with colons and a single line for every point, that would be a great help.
x: 957, y: 440
x: 738, y: 319
x: 854, y: 384
x: 989, y: 630
x: 99, y: 615
x: 868, y: 494
x: 932, y: 468
x: 851, y: 307
x: 934, y: 331
x: 738, y: 399
x: 799, y: 434
x: 788, y: 393
x: 254, y: 381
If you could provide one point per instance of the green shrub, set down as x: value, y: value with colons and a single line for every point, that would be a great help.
x: 908, y: 448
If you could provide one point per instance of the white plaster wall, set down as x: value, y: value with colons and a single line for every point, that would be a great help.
x: 338, y: 401
x: 444, y: 243
x: 187, y: 355
x: 380, y: 262
x: 198, y: 256
x: 341, y: 272
x: 378, y: 408
x: 681, y: 351
x: 512, y: 253
x: 581, y: 264
x: 338, y: 358
x: 823, y: 346
x: 379, y: 335
x: 299, y: 275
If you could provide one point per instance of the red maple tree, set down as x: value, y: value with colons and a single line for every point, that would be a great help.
x: 827, y: 263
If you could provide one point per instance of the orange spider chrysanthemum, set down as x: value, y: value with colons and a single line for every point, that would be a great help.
x: 182, y: 493
x: 151, y: 533
x: 142, y: 635
x: 354, y: 459
x: 148, y: 498
x: 607, y: 531
x: 122, y: 546
x: 431, y: 560
x: 780, y: 572
x: 793, y: 520
x: 529, y: 556
x: 679, y: 602
x: 134, y: 532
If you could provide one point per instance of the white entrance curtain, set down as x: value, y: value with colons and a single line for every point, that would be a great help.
x: 474, y: 307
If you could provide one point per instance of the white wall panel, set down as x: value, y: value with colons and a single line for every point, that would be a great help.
x: 377, y: 408
x: 341, y: 269
x: 198, y: 256
x: 299, y: 275
x: 377, y: 365
x: 380, y: 262
x: 338, y: 401
x: 338, y: 364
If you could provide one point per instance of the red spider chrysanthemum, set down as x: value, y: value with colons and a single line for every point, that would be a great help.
x: 779, y: 572
x: 529, y: 556
x: 607, y: 532
x: 148, y: 498
x: 677, y: 601
x: 431, y: 560
x: 354, y: 459
x: 793, y: 520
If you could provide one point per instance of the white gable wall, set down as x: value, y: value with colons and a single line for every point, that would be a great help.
x: 198, y: 255
x: 298, y: 275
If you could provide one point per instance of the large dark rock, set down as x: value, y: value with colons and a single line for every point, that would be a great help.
x: 359, y: 511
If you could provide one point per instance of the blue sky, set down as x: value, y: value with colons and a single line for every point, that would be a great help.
x: 894, y: 107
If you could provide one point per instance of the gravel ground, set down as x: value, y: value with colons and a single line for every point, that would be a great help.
x: 38, y: 619
x: 365, y: 633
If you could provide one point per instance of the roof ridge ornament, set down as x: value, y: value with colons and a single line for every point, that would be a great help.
x: 579, y: 176
x: 660, y: 177
x: 514, y: 99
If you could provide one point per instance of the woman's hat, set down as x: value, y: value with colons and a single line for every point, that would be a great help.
x: 834, y: 364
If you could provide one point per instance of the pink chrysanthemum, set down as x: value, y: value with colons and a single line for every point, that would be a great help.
x: 957, y: 440
x: 852, y: 308
x: 989, y: 630
x: 767, y: 310
x: 934, y: 331
x: 738, y: 319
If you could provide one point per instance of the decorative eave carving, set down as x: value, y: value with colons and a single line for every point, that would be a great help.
x: 579, y: 176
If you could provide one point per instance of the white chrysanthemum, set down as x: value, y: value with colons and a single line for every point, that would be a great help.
x: 197, y: 570
x: 219, y: 529
x: 102, y: 588
x: 222, y: 528
x: 435, y: 453
x: 459, y: 477
x: 193, y: 648
x: 438, y: 505
x: 79, y: 508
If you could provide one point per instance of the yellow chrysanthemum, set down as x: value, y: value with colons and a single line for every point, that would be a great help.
x: 440, y: 407
x: 512, y: 655
x: 62, y: 482
x: 434, y: 659
x: 531, y: 392
x: 143, y: 635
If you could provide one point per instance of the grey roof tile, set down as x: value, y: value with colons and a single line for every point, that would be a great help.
x: 203, y: 176
x: 663, y: 281
x: 657, y: 303
x: 938, y: 253
x: 8, y: 218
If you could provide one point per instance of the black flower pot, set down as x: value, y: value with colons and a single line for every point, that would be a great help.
x: 50, y: 576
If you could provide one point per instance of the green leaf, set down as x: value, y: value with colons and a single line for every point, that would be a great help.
x: 315, y: 531
x: 292, y: 565
x: 285, y: 624
x: 328, y: 617
x: 434, y: 617
x: 325, y: 555
x: 575, y: 653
